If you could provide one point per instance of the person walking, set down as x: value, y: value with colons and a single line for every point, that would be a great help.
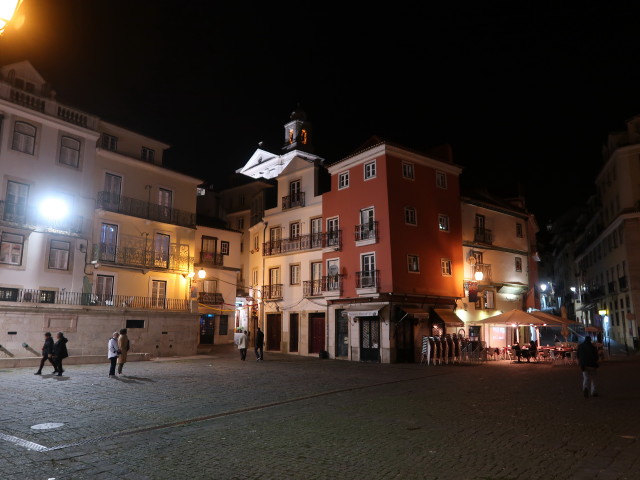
x: 112, y: 353
x: 242, y: 345
x: 259, y: 345
x: 59, y: 352
x: 123, y: 347
x: 588, y: 362
x: 47, y: 352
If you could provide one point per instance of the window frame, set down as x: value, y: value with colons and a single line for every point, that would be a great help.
x: 109, y: 142
x: 369, y: 170
x: 53, y: 249
x: 148, y: 154
x: 294, y: 279
x: 441, y: 180
x: 445, y: 267
x: 20, y: 139
x: 518, y: 264
x: 224, y: 247
x: 413, y: 260
x: 410, y: 216
x: 519, y: 230
x: 67, y: 148
x: 343, y: 180
x: 11, y: 245
x: 443, y: 222
x: 408, y: 171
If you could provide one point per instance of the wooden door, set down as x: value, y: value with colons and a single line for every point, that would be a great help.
x: 316, y: 332
x: 274, y: 331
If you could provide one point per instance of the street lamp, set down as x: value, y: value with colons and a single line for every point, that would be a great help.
x: 8, y: 8
x: 202, y: 273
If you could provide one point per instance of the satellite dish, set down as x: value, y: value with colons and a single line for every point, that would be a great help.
x: 333, y: 270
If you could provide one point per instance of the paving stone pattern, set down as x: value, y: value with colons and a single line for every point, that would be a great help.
x: 216, y: 417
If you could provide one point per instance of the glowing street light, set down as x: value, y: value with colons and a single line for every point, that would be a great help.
x: 478, y: 275
x: 54, y: 208
x: 202, y: 273
x: 8, y: 8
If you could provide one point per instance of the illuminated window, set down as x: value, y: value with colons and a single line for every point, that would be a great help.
x: 303, y: 136
x: 445, y: 267
x: 443, y: 223
x: 24, y: 138
x: 290, y: 135
x: 343, y: 180
x: 11, y: 246
x: 407, y: 170
x: 224, y: 248
x: 413, y: 263
x: 369, y: 170
x: 70, y: 151
x: 441, y: 180
x: 410, y: 216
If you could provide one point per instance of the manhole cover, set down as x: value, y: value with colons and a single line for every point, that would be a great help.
x: 46, y: 426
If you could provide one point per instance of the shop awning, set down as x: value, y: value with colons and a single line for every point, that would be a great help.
x: 415, y: 312
x: 513, y: 288
x: 449, y: 318
x: 362, y: 310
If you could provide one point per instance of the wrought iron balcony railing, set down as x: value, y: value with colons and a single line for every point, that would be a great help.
x: 141, y: 209
x: 593, y: 294
x: 367, y: 231
x: 332, y: 283
x: 293, y: 200
x: 30, y: 296
x: 211, y: 259
x: 21, y: 215
x: 368, y: 279
x: 140, y: 257
x: 272, y: 292
x: 210, y: 298
x: 302, y: 242
x: 312, y: 288
x: 483, y: 235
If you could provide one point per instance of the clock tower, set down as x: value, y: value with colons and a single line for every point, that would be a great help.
x: 297, y: 132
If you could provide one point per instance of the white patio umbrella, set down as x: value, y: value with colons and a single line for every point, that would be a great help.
x: 515, y: 318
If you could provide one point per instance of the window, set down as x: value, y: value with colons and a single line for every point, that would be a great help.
x: 489, y: 299
x: 104, y: 289
x: 519, y: 230
x: 8, y: 294
x: 369, y: 170
x: 294, y: 230
x: 15, y: 207
x: 69, y: 151
x: 165, y: 200
x: 210, y: 286
x: 294, y: 274
x: 445, y: 267
x: 443, y: 223
x: 161, y: 250
x: 254, y: 277
x: 135, y: 323
x: 109, y: 142
x: 148, y: 155
x: 368, y: 273
x: 59, y: 255
x: 441, y: 180
x: 413, y: 263
x: 158, y: 292
x: 224, y: 248
x: 24, y: 138
x: 108, y: 241
x: 316, y: 232
x: 343, y: 180
x: 518, y: 264
x: 407, y: 170
x: 240, y: 223
x: 410, y: 216
x: 11, y: 246
x: 333, y: 236
x: 256, y: 243
x: 113, y: 187
x: 47, y: 296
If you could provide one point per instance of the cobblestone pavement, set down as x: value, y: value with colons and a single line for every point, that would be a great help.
x: 216, y: 417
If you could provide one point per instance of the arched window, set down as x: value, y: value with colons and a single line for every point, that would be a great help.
x: 24, y: 138
x: 70, y: 151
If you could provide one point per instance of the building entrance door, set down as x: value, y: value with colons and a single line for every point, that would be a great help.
x: 369, y: 339
x: 274, y: 331
x: 207, y: 329
x: 404, y: 341
x: 316, y: 332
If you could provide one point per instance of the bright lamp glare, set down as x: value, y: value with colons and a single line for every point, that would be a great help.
x: 7, y: 10
x: 54, y: 208
x: 543, y: 287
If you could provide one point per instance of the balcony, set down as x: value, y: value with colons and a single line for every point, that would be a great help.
x: 368, y: 279
x: 210, y: 298
x: 141, y: 209
x: 485, y: 269
x: 272, y: 292
x: 23, y: 216
x: 29, y: 296
x: 309, y: 241
x: 171, y: 260
x: 211, y: 259
x: 593, y: 295
x: 312, y: 288
x: 293, y: 200
x: 367, y: 232
x: 483, y: 235
x: 332, y: 284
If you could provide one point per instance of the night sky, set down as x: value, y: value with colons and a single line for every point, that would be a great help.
x: 525, y: 94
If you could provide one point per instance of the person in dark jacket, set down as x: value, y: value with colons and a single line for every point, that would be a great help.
x: 47, y: 351
x: 259, y: 345
x: 60, y: 352
x: 588, y: 362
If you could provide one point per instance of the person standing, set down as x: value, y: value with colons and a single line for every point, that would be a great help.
x: 242, y: 345
x: 112, y: 353
x: 259, y: 345
x: 588, y: 362
x: 59, y: 352
x: 47, y: 352
x: 123, y: 348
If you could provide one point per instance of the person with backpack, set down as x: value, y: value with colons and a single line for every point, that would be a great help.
x: 59, y: 352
